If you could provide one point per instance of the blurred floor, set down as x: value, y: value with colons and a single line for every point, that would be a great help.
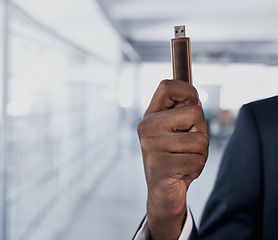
x: 115, y: 209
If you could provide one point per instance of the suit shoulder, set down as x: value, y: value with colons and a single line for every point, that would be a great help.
x: 264, y: 104
x: 264, y: 111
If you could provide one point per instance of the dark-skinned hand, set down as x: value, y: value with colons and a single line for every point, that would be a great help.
x: 174, y: 143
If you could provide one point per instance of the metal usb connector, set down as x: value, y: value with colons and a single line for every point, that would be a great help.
x: 179, y: 31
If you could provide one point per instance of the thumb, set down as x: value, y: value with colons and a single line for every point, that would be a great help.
x: 182, y: 104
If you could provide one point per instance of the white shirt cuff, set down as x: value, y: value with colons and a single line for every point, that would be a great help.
x: 141, y: 234
x: 185, y: 234
x: 187, y: 227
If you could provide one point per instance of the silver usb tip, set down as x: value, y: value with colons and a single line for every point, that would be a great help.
x: 179, y: 31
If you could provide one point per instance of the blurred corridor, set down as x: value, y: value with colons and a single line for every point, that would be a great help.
x: 76, y: 78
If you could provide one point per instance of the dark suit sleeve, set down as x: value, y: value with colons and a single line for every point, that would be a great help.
x: 233, y: 210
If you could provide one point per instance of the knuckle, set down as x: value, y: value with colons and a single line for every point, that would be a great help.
x: 202, y: 163
x: 204, y: 140
x: 199, y: 164
x: 164, y: 85
x: 199, y: 113
x: 141, y: 128
x: 198, y: 110
x: 194, y: 94
x: 145, y: 145
x: 198, y: 169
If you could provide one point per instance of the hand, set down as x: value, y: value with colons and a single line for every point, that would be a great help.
x: 174, y: 143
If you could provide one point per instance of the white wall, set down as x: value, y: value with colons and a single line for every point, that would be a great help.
x: 63, y: 70
x: 80, y: 21
x: 1, y: 121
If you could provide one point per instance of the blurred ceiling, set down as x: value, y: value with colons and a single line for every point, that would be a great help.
x: 220, y: 31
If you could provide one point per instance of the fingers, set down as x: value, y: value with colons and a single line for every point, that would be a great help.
x: 171, y: 91
x: 182, y: 119
x: 162, y: 167
x: 188, y: 118
x: 175, y: 155
x: 178, y: 143
x: 173, y: 135
x: 186, y: 166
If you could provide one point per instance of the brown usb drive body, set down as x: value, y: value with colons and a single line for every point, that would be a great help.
x: 181, y: 55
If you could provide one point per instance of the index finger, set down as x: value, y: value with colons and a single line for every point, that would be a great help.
x: 171, y: 91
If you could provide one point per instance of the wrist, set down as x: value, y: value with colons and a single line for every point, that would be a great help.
x: 166, y: 229
x: 166, y: 224
x: 166, y: 208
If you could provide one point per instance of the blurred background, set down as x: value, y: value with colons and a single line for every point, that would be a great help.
x: 76, y: 78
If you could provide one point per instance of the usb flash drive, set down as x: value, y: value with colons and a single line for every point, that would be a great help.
x: 181, y: 56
